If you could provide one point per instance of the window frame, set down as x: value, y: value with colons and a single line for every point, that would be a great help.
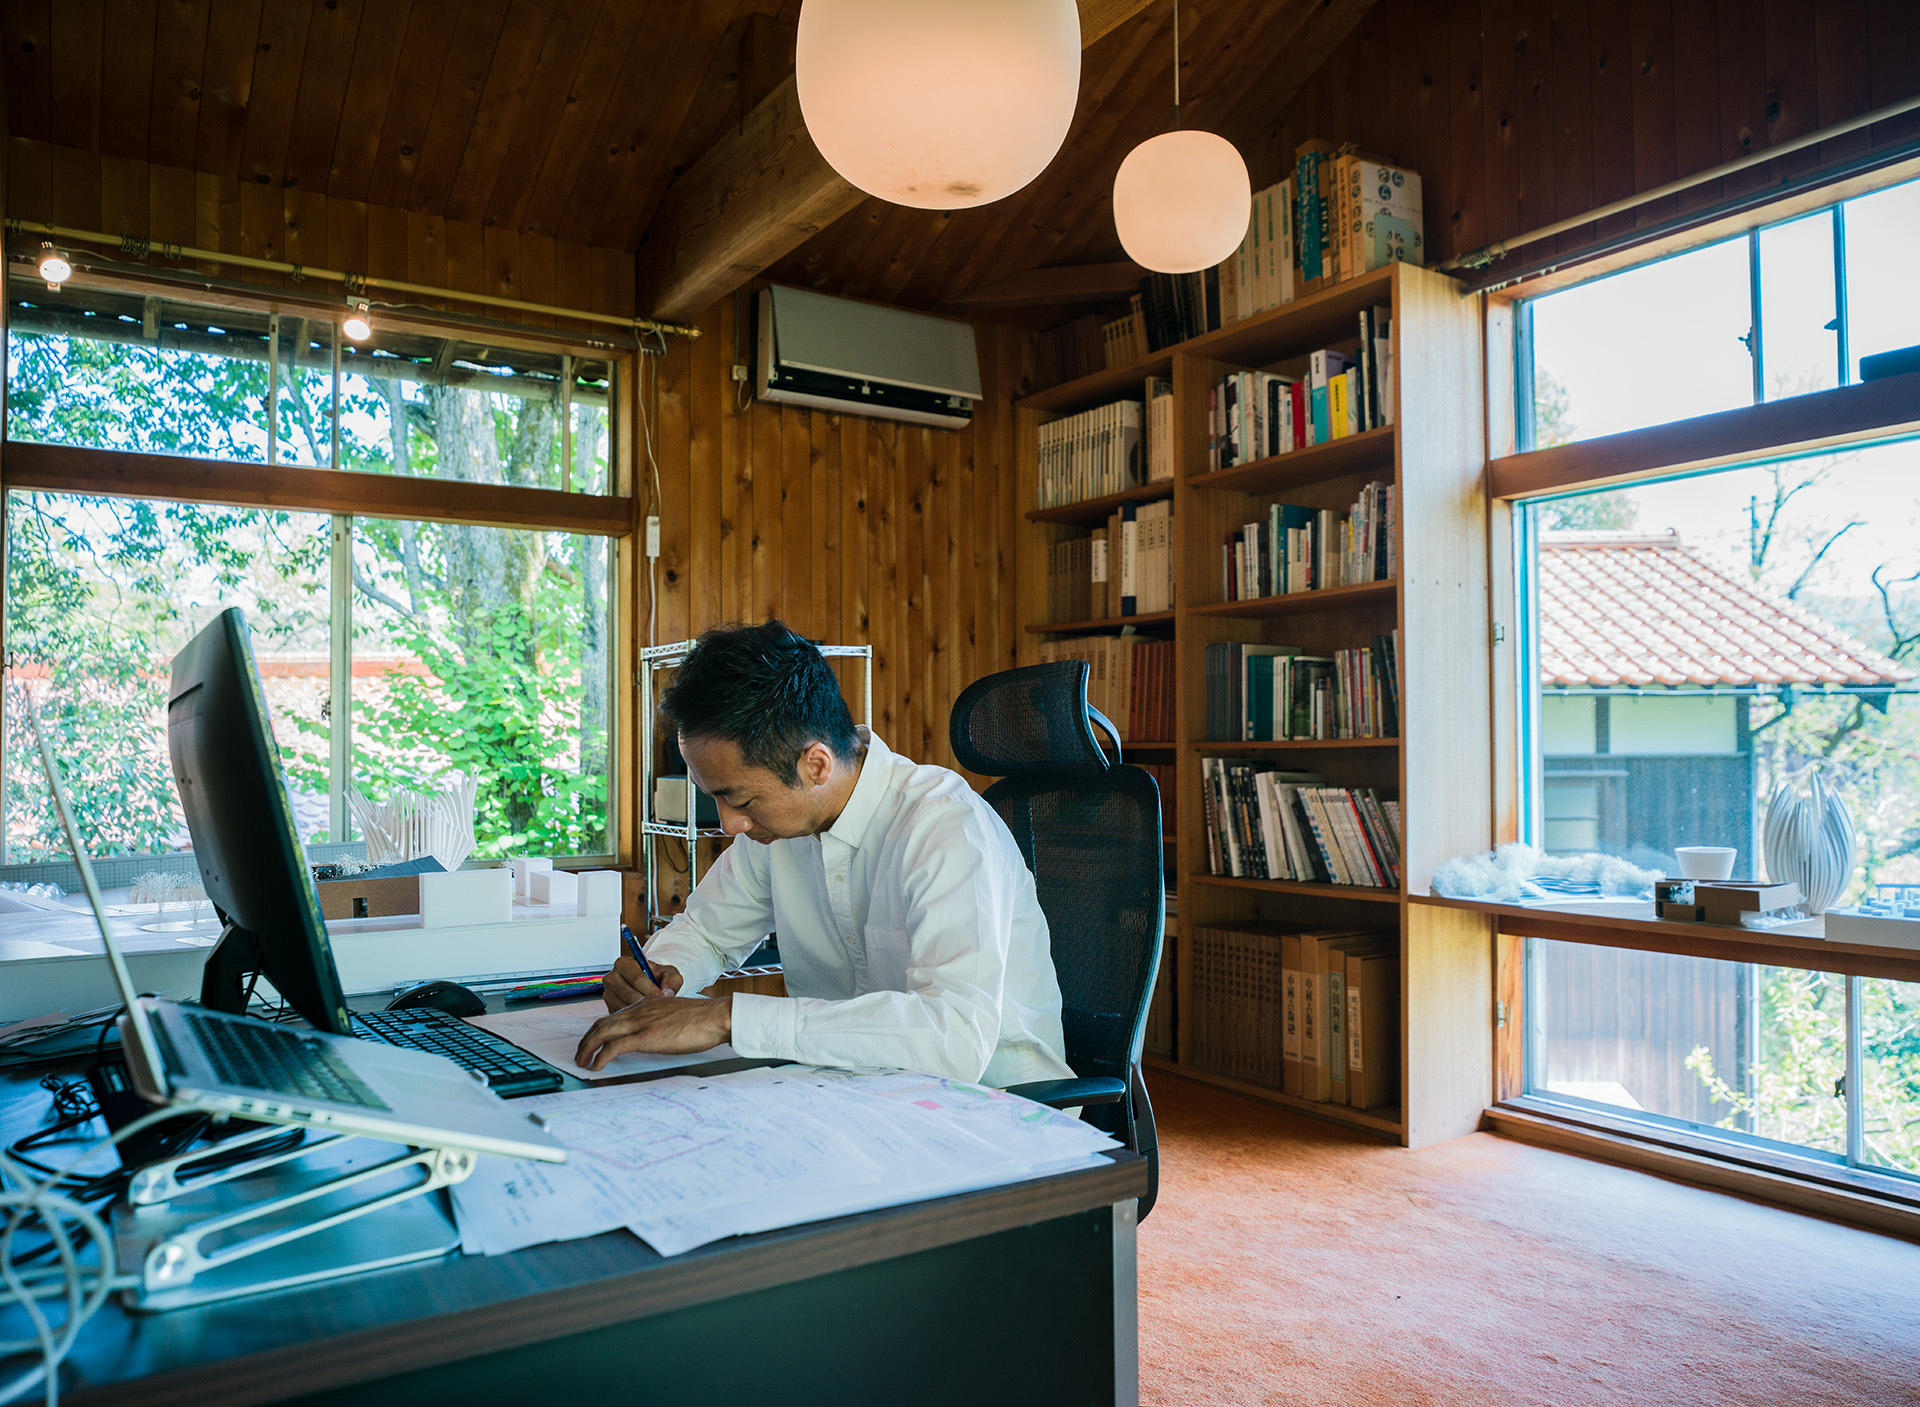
x: 1850, y: 414
x: 30, y: 466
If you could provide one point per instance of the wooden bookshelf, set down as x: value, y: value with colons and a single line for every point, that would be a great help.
x: 1435, y: 455
x: 1094, y: 511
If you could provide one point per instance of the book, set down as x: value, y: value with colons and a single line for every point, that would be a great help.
x: 1372, y: 1028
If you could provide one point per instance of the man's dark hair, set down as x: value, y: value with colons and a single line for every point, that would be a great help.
x: 766, y: 689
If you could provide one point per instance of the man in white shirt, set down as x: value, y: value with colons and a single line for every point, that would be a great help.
x: 910, y: 934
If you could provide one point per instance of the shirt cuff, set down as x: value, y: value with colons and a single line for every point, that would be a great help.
x: 764, y: 1027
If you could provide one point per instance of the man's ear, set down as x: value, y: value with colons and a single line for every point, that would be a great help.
x: 816, y: 764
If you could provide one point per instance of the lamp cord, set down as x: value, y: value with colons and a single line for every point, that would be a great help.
x: 1176, y: 65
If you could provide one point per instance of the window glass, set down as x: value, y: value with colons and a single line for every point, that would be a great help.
x: 1883, y: 271
x: 1653, y: 344
x: 451, y: 410
x: 100, y: 595
x: 1798, y: 335
x: 1720, y: 1045
x: 117, y: 371
x: 485, y: 651
x: 1706, y: 641
x: 304, y: 392
x: 1890, y: 1084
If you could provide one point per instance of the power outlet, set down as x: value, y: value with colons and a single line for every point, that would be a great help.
x: 653, y: 535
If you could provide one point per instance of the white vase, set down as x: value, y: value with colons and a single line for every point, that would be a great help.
x: 1808, y: 840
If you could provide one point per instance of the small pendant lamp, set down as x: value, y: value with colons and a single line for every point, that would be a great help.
x: 1181, y: 200
x: 940, y: 104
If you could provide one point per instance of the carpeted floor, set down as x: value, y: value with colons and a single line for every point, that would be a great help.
x: 1291, y: 1262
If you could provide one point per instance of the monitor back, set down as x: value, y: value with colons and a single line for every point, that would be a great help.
x: 227, y: 769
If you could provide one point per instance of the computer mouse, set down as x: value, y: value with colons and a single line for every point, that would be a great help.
x: 449, y: 997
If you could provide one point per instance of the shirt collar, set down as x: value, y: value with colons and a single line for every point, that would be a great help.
x: 850, y: 828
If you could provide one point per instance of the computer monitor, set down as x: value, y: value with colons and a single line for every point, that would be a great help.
x: 227, y: 769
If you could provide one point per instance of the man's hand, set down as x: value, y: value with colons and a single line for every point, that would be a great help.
x: 627, y: 984
x: 659, y: 1025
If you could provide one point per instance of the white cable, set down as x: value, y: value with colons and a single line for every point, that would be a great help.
x: 646, y: 435
x: 85, y: 1289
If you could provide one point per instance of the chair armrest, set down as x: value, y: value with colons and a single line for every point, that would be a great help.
x: 1068, y: 1094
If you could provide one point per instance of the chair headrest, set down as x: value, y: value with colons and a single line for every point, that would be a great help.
x: 1032, y: 719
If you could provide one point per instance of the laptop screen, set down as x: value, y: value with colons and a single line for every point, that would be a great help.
x: 227, y: 768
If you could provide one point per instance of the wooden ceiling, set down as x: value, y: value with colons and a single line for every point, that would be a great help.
x: 573, y: 118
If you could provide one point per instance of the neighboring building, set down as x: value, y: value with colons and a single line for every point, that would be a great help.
x: 1650, y: 656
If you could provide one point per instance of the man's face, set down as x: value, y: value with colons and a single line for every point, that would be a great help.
x: 753, y: 801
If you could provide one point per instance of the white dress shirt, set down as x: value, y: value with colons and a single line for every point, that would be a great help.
x: 910, y: 935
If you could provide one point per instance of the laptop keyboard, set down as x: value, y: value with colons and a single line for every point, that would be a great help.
x: 508, y: 1070
x: 260, y: 1056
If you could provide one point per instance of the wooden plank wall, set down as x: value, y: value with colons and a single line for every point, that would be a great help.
x: 1520, y: 113
x: 853, y: 531
x: 127, y: 196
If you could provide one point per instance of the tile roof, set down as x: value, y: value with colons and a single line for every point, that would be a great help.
x: 1637, y: 610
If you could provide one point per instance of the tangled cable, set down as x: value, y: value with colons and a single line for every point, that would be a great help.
x: 70, y: 1227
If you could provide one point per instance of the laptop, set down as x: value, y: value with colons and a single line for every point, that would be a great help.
x: 215, y: 1062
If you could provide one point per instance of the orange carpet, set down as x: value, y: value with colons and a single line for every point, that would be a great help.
x: 1291, y: 1262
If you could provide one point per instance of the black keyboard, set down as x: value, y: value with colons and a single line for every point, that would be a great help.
x: 509, y: 1070
x: 261, y: 1056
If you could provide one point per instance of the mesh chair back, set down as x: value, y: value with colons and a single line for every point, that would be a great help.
x: 1090, y: 833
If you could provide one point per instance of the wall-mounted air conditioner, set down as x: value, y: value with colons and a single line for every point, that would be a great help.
x: 866, y: 358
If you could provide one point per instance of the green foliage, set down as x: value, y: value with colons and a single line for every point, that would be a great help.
x: 1796, y: 1090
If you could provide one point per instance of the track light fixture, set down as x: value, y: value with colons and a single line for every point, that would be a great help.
x: 358, y: 325
x: 54, y: 266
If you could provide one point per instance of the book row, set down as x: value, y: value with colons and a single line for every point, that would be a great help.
x: 1129, y: 679
x: 1107, y: 450
x: 1274, y: 693
x: 1266, y: 823
x: 1123, y: 569
x: 1314, y: 1013
x: 1306, y: 549
x: 1256, y: 414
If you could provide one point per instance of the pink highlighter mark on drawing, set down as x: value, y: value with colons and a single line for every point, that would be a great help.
x: 927, y: 1103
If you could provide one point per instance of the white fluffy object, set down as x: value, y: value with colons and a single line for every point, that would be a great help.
x: 1515, y: 872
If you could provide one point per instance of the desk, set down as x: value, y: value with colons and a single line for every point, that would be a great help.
x: 1016, y: 1294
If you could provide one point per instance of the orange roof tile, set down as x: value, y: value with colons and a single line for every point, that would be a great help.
x: 1636, y: 610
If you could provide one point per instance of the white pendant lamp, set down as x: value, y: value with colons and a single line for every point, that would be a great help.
x: 1181, y: 200
x: 941, y: 104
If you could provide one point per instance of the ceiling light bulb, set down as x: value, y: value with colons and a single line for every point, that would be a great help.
x: 357, y: 327
x: 54, y: 267
x: 939, y: 104
x: 1181, y: 201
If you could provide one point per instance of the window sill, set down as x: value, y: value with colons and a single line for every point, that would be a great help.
x: 1876, y: 1201
x: 1634, y: 926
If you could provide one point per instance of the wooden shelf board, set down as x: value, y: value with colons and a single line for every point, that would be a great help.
x: 1289, y: 745
x: 1352, y: 454
x: 1115, y: 383
x: 1299, y: 602
x: 1309, y: 322
x: 1147, y: 745
x: 1098, y: 510
x: 1287, y: 886
x: 1638, y: 929
x: 1095, y: 627
x: 1382, y: 1121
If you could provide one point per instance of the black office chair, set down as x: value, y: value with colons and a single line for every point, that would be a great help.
x: 1089, y: 830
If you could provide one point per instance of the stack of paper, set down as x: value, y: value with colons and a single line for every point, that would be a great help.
x: 684, y: 1161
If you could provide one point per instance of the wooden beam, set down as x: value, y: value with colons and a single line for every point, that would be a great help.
x: 760, y: 193
x: 177, y: 478
x: 1067, y: 283
x: 1805, y: 424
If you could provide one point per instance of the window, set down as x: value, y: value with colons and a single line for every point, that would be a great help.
x: 438, y: 647
x: 1780, y: 311
x: 1701, y: 643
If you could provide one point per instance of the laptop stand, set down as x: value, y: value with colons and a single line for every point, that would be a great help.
x: 335, y: 1205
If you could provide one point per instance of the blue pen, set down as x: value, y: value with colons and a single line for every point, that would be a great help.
x: 633, y: 946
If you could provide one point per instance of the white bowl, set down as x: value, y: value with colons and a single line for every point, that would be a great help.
x: 1705, y: 861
